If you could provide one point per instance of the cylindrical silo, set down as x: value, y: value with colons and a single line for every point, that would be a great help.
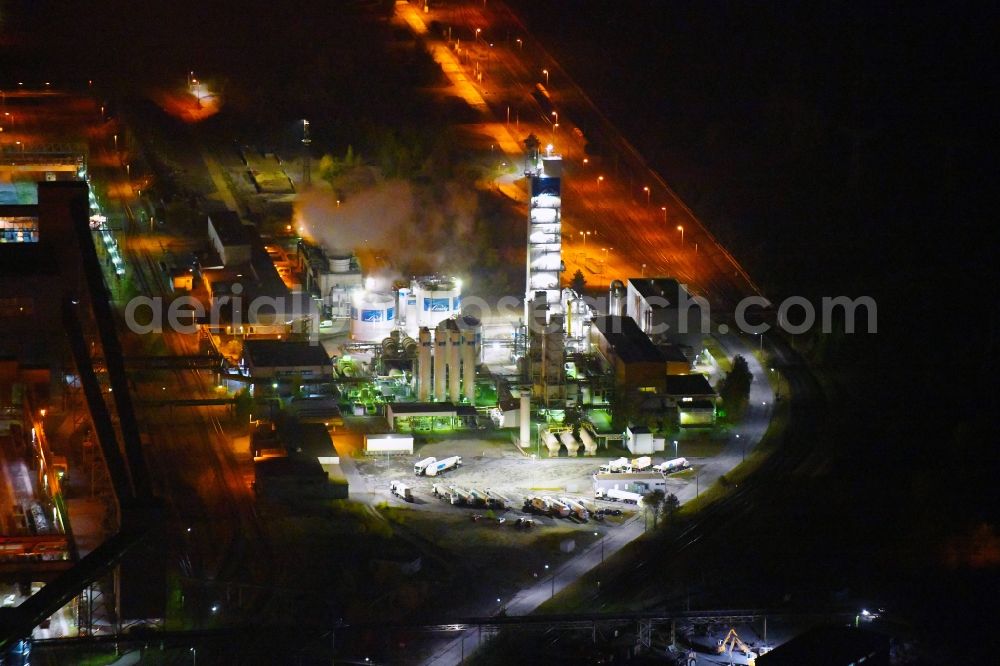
x: 569, y: 441
x: 440, y: 361
x: 454, y: 365
x: 525, y: 415
x: 424, y: 366
x: 373, y: 316
x: 616, y: 298
x: 436, y: 298
x: 469, y: 366
x: 589, y: 443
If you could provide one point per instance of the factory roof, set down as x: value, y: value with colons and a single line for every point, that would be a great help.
x: 665, y: 288
x: 673, y: 353
x: 635, y: 476
x: 630, y: 344
x: 688, y: 385
x: 229, y: 228
x: 284, y: 353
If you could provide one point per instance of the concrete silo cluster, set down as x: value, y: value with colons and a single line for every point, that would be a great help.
x: 446, y: 360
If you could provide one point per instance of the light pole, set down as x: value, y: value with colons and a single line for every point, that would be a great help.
x: 600, y: 179
x: 680, y: 228
x: 555, y: 114
x: 743, y: 448
x: 584, y: 234
x: 520, y: 43
x: 642, y: 273
x: 664, y: 209
x: 546, y: 73
x: 675, y: 448
x: 478, y: 30
x: 648, y: 194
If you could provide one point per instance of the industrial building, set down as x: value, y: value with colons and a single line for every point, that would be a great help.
x: 331, y: 276
x: 229, y: 237
x: 544, y: 261
x: 641, y: 482
x: 274, y: 359
x: 634, y: 360
x: 428, y: 416
x: 665, y: 310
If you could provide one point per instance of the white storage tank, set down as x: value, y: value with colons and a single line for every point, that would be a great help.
x: 373, y: 316
x: 436, y: 298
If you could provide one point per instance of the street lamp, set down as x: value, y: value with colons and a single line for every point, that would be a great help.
x: 664, y: 209
x: 680, y: 228
x: 598, y: 534
x: 646, y: 190
x: 555, y: 114
x: 546, y: 73
x: 520, y: 44
x: 642, y: 273
x: 743, y: 448
x: 478, y: 30
x: 584, y: 234
x: 600, y: 179
x: 675, y: 447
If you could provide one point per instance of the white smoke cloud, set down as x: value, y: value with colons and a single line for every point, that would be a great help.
x: 418, y: 229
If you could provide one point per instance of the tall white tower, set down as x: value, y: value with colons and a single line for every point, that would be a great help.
x: 544, y: 172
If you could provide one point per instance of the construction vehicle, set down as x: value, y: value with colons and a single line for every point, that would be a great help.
x: 496, y: 500
x: 535, y: 505
x: 555, y: 507
x: 670, y: 466
x: 641, y: 464
x: 420, y: 468
x: 440, y: 466
x: 615, y: 466
x: 577, y: 508
x: 732, y: 641
x: 615, y: 495
x: 401, y: 490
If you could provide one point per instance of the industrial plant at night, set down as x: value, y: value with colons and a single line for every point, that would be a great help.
x: 433, y: 332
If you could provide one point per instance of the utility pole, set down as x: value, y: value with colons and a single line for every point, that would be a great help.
x: 306, y: 179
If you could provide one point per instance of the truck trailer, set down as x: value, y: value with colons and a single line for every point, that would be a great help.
x: 420, y: 468
x: 670, y: 466
x: 577, y: 508
x: 439, y: 466
x: 555, y: 507
x: 401, y: 490
x: 641, y: 464
x: 615, y: 495
x: 615, y: 466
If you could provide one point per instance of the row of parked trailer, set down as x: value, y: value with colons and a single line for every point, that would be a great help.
x: 457, y: 495
x: 563, y: 507
x: 642, y: 464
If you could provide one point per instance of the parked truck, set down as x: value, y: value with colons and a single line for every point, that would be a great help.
x: 439, y: 466
x: 420, y: 468
x: 496, y: 500
x: 615, y: 466
x: 615, y: 495
x: 478, y: 497
x: 441, y: 490
x: 401, y: 490
x: 461, y: 496
x: 555, y: 507
x: 670, y: 466
x: 577, y: 508
x: 535, y: 505
x: 641, y: 464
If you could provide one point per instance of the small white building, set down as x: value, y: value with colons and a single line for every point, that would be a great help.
x: 388, y: 444
x: 641, y: 482
x: 639, y: 440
